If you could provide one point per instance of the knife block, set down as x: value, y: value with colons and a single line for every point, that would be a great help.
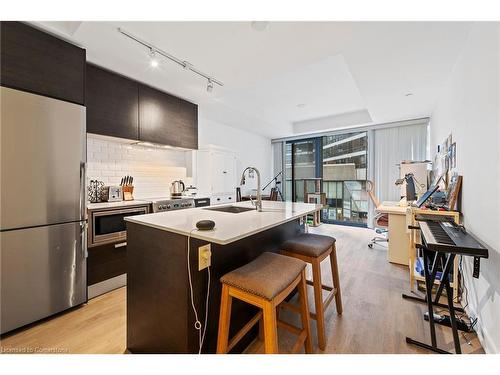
x: 128, y: 193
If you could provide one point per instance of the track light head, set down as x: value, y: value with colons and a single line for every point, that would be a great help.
x: 153, y: 58
x: 186, y: 65
x: 259, y: 25
x: 210, y: 85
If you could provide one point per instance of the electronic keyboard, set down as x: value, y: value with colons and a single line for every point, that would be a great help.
x: 444, y: 235
x: 442, y: 241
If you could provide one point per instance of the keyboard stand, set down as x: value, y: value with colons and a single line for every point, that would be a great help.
x: 424, y: 300
x: 430, y: 275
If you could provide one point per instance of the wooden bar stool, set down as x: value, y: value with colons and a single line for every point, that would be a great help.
x: 265, y: 283
x: 313, y: 249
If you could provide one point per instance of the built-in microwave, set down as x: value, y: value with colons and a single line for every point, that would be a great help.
x: 108, y: 225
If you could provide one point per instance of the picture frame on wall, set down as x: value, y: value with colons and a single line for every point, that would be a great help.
x: 453, y: 155
x: 453, y: 192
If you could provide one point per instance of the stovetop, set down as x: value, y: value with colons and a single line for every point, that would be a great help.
x: 163, y: 199
x: 171, y: 203
x: 170, y: 198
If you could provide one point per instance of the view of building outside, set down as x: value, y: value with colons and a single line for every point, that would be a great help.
x: 344, y: 177
x: 288, y: 172
x: 304, y: 168
x: 344, y: 167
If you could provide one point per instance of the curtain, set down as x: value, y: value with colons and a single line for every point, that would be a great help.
x: 391, y: 146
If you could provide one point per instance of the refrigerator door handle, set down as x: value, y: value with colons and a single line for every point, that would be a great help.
x: 83, y: 166
x: 83, y: 239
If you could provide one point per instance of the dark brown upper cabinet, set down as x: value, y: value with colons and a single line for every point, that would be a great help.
x: 37, y: 62
x: 112, y: 104
x: 166, y: 119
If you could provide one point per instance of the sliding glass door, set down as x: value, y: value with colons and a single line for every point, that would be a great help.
x: 301, y: 168
x: 335, y: 165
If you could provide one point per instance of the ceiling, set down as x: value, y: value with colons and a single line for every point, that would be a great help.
x: 277, y: 79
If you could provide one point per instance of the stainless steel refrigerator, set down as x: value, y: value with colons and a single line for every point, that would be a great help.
x: 42, y: 207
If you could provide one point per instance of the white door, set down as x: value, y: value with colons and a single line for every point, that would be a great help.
x: 218, y: 168
x: 203, y: 172
x: 230, y: 174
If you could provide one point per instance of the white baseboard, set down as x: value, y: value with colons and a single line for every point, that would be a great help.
x: 482, y: 333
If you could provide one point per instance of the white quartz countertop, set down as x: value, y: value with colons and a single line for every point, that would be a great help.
x: 106, y: 205
x: 229, y: 227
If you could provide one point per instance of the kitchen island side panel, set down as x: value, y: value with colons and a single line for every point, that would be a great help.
x: 157, y: 291
x: 160, y: 318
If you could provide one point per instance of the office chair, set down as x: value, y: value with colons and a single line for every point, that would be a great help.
x: 381, y: 220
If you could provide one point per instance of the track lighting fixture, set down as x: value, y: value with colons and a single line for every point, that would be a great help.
x: 155, y: 52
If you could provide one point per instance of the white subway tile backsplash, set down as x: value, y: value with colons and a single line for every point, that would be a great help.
x: 153, y: 169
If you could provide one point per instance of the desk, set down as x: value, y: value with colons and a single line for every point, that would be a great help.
x: 399, y: 239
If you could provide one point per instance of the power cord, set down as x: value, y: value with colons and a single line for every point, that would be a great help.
x: 465, y: 292
x: 197, y: 324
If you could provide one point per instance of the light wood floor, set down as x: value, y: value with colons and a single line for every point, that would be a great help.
x: 375, y: 320
x: 95, y: 328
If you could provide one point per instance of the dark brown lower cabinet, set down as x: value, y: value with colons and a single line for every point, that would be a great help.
x: 105, y: 262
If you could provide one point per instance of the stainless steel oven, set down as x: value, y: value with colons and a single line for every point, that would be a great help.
x: 108, y: 226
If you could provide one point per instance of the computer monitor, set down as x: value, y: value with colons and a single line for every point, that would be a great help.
x: 426, y: 195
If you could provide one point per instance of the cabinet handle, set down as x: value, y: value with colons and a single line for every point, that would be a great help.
x: 121, y: 244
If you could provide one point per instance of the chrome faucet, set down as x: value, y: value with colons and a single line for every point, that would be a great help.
x: 258, y: 203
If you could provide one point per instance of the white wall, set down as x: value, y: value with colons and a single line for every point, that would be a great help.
x: 251, y: 149
x: 469, y: 109
x: 344, y: 120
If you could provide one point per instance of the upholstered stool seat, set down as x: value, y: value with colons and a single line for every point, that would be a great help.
x: 266, y: 276
x: 309, y: 244
x: 265, y: 283
x: 313, y: 249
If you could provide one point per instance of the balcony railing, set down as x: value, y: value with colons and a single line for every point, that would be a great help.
x: 347, y: 201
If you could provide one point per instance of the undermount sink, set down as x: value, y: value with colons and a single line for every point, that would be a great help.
x: 231, y: 209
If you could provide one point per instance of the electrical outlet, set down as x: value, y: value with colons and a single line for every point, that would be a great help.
x: 204, y: 257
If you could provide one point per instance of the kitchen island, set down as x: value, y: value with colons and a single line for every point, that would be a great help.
x: 160, y: 318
